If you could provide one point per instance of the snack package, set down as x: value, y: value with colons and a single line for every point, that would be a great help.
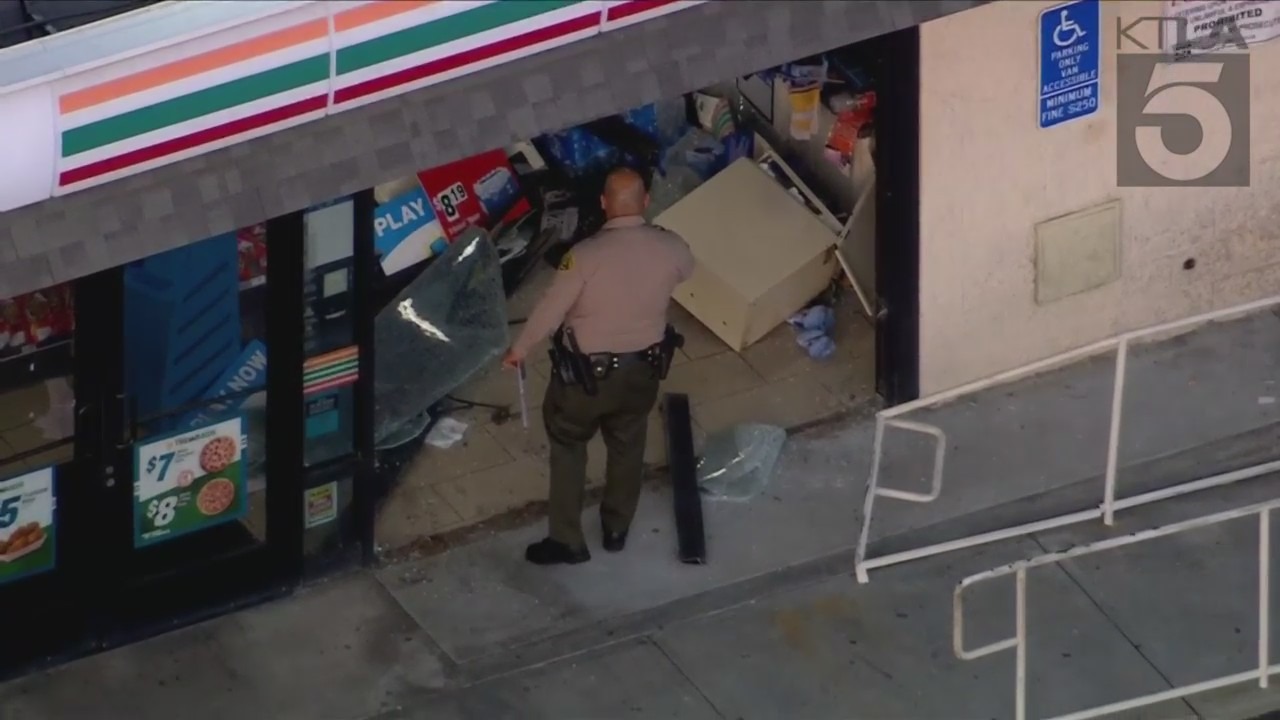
x: 251, y: 246
x: 39, y: 317
x: 4, y: 326
x: 853, y: 116
x: 15, y: 323
x: 62, y: 316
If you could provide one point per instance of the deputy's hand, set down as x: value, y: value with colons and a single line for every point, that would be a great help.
x: 512, y: 360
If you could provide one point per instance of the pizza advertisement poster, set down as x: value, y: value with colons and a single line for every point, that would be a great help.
x: 27, y: 525
x: 188, y: 481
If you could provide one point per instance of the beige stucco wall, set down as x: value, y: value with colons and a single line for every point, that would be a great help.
x: 989, y: 174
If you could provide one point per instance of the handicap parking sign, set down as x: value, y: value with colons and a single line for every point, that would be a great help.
x: 1070, y: 62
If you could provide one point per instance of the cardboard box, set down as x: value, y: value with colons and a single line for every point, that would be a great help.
x: 761, y: 254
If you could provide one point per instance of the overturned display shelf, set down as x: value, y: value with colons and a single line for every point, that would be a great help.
x: 760, y: 255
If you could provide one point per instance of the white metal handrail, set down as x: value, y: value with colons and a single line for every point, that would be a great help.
x: 1018, y: 642
x: 1106, y: 510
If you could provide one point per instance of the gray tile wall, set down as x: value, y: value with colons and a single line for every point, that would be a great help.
x: 66, y: 238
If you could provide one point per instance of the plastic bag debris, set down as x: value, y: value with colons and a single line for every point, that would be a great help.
x: 739, y: 462
x: 439, y: 331
x: 814, y: 326
x: 446, y: 433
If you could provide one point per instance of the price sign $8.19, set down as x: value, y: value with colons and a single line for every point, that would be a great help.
x: 449, y: 200
x: 162, y: 510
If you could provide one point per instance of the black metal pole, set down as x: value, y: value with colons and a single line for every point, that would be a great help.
x: 690, y: 533
x: 365, y: 309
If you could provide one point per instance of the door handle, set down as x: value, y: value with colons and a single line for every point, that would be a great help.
x: 126, y: 413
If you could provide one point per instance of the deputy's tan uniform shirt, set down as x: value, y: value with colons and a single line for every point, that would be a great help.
x: 613, y: 289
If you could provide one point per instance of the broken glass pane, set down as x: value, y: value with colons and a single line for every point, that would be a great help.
x: 739, y: 462
x: 439, y: 331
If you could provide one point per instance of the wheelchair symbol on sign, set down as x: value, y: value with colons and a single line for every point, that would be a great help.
x: 1067, y: 31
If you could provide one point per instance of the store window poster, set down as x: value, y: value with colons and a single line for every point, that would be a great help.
x: 189, y: 481
x: 406, y: 232
x: 320, y: 505
x: 27, y: 532
x: 481, y: 190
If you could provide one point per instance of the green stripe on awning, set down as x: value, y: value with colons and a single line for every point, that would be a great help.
x: 443, y: 30
x: 195, y: 104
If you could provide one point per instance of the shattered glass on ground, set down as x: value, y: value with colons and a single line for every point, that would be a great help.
x: 439, y: 331
x: 739, y: 462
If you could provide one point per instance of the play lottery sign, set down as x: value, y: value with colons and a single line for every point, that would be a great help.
x: 26, y: 525
x: 188, y: 481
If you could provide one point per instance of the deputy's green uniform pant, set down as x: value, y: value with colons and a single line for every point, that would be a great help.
x: 620, y: 411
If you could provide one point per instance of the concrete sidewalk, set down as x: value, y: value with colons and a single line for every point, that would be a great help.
x: 774, y: 626
x: 806, y: 643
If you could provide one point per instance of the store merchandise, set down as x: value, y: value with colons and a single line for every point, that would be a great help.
x: 497, y: 190
x: 251, y: 247
x: 13, y: 330
x: 693, y: 159
x: 714, y: 115
x: 853, y: 114
x: 36, y: 318
x: 39, y: 317
x: 581, y: 153
x: 804, y: 111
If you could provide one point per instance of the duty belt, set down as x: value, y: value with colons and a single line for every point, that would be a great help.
x: 618, y: 360
x: 577, y: 368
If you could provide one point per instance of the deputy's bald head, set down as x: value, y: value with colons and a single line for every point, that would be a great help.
x: 624, y: 194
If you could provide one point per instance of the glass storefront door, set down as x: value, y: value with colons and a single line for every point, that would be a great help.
x: 185, y: 434
x: 139, y: 485
x: 42, y: 564
x: 200, y: 327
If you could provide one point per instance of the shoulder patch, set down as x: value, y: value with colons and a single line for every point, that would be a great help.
x: 566, y: 262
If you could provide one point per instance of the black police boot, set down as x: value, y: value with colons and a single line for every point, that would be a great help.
x: 614, y: 541
x: 550, y: 552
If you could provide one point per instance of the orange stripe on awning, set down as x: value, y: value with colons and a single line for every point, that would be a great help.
x: 195, y: 65
x: 375, y: 11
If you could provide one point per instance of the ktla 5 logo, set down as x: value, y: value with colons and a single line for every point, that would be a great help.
x: 1185, y: 122
x: 1179, y: 89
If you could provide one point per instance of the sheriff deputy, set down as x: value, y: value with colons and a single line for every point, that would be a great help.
x: 607, y: 308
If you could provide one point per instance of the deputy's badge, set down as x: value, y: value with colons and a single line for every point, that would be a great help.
x: 566, y: 262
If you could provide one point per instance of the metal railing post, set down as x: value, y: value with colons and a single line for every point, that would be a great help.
x: 1104, y: 510
x: 1020, y: 619
x: 873, y: 482
x: 1019, y: 640
x: 1264, y: 597
x: 1113, y: 436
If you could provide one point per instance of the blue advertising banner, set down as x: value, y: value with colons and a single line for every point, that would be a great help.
x: 247, y: 373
